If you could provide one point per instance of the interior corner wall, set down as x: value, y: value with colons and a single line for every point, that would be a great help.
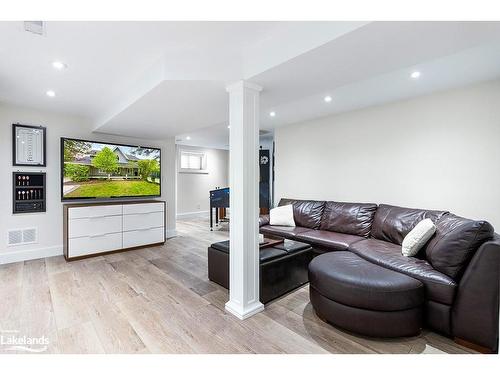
x: 49, y: 223
x: 193, y: 188
x: 439, y: 151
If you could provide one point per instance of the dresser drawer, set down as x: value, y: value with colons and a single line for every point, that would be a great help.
x: 143, y: 237
x: 143, y: 208
x: 143, y: 221
x: 94, y: 244
x: 94, y: 211
x: 94, y: 226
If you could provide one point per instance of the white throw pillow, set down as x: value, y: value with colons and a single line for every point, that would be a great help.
x: 282, y: 215
x: 418, y: 237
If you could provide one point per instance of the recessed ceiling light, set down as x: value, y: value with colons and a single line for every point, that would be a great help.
x: 272, y: 114
x: 188, y: 137
x: 415, y: 75
x: 229, y: 126
x: 59, y: 65
x: 328, y: 99
x: 51, y: 93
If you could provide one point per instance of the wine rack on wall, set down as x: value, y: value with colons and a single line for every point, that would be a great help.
x: 28, y: 192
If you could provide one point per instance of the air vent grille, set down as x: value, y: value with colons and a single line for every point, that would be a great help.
x: 15, y: 237
x: 22, y: 236
x: 29, y: 235
x: 35, y: 27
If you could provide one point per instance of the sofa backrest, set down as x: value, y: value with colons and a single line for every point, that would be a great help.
x: 456, y: 240
x: 305, y: 213
x: 349, y: 218
x: 393, y: 223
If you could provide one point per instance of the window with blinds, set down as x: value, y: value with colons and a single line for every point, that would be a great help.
x: 192, y: 161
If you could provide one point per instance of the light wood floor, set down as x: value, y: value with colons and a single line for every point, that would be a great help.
x: 159, y: 300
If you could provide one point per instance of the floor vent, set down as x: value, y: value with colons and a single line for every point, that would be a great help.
x: 22, y: 236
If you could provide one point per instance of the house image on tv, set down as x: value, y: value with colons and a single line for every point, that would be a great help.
x: 127, y: 165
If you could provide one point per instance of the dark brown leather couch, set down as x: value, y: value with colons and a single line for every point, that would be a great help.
x: 459, y: 266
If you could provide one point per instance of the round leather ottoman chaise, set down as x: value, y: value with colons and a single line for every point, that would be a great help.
x: 354, y: 294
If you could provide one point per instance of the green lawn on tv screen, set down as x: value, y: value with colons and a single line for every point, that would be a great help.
x: 103, y: 189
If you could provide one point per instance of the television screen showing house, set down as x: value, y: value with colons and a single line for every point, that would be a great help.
x: 103, y: 170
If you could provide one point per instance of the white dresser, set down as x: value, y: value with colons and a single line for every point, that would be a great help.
x: 98, y: 228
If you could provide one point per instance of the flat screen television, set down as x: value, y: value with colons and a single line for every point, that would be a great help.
x: 101, y: 170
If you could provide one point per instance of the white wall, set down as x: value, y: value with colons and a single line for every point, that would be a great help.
x: 49, y: 224
x: 438, y: 151
x: 193, y: 188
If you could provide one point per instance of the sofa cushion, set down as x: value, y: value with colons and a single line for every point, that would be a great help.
x: 305, y: 213
x: 438, y: 286
x: 392, y: 223
x: 330, y: 240
x: 349, y: 218
x: 348, y: 279
x: 455, y: 242
x: 285, y: 232
x: 263, y: 220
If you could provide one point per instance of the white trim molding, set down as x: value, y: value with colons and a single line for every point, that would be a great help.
x: 30, y: 254
x: 247, y: 312
x: 188, y: 215
x: 171, y: 233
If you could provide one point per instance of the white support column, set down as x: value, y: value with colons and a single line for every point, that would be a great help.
x: 244, y: 200
x: 169, y: 184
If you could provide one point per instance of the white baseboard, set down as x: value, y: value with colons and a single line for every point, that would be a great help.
x: 187, y: 215
x: 30, y: 254
x: 244, y: 313
x: 171, y: 233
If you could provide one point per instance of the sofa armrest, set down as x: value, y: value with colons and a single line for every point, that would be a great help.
x: 475, y: 311
x: 263, y: 220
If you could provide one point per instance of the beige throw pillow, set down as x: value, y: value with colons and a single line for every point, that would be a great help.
x: 418, y: 237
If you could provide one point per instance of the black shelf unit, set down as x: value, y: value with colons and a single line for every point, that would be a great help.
x: 28, y: 192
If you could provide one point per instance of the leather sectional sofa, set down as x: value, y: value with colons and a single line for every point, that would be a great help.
x: 459, y: 267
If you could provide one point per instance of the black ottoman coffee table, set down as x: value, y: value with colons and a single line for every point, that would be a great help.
x: 283, y: 267
x: 354, y: 294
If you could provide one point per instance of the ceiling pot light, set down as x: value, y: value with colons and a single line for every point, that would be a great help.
x: 415, y: 75
x: 328, y: 99
x: 229, y: 126
x: 50, y: 93
x: 59, y: 65
x: 188, y: 137
x: 272, y: 114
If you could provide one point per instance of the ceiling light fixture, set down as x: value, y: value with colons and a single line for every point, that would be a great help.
x: 50, y: 93
x: 229, y: 126
x: 272, y: 114
x: 328, y: 99
x: 59, y: 65
x: 188, y: 137
x: 415, y: 75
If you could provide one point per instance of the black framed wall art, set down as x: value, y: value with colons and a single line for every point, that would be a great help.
x: 28, y: 145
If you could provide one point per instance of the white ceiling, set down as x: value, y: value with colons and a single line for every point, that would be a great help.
x: 160, y: 79
x: 105, y: 59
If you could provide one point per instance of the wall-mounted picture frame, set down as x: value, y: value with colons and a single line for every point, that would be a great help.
x: 28, y: 145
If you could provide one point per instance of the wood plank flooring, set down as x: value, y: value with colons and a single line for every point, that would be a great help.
x: 159, y: 300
